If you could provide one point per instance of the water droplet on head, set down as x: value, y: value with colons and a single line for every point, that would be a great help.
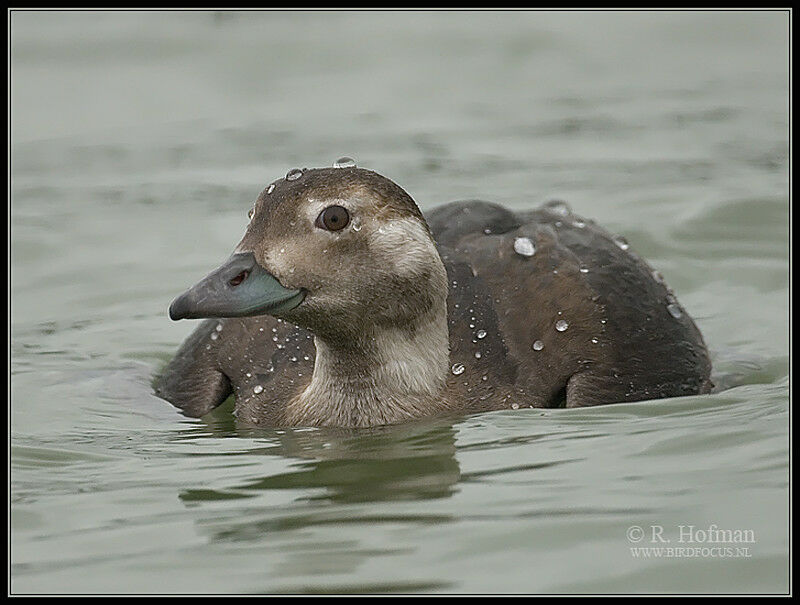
x: 294, y: 174
x: 257, y: 389
x: 524, y: 246
x: 458, y: 368
x: 538, y: 345
x: 561, y: 325
x: 344, y: 162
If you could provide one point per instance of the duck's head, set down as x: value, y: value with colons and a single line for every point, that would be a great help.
x: 335, y: 250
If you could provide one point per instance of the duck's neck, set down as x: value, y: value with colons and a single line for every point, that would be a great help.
x: 383, y: 376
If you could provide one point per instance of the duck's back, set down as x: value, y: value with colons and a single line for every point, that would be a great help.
x: 584, y: 320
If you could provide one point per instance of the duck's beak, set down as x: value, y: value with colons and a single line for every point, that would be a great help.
x: 239, y: 288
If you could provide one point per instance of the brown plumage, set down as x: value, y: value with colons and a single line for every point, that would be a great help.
x: 392, y: 327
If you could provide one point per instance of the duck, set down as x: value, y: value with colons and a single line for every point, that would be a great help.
x: 344, y: 306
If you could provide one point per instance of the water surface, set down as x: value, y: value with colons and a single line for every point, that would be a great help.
x: 139, y: 141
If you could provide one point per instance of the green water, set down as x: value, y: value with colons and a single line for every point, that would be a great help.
x: 138, y: 144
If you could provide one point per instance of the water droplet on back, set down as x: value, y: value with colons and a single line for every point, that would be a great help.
x: 524, y: 246
x: 458, y: 368
x: 257, y: 389
x: 271, y: 188
x: 559, y: 207
x: 294, y: 174
x: 674, y: 310
x: 538, y: 345
x: 481, y: 334
x: 561, y: 325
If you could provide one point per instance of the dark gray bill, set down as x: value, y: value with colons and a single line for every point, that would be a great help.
x: 239, y: 288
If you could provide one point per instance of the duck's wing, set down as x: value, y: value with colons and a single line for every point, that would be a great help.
x: 261, y: 360
x: 192, y: 380
x: 583, y: 315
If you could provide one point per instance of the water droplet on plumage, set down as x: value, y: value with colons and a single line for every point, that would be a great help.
x: 524, y: 246
x: 621, y: 242
x: 271, y: 188
x: 481, y: 334
x: 538, y: 345
x: 458, y: 368
x: 561, y: 325
x: 559, y: 207
x: 257, y: 389
x: 294, y: 174
x: 674, y: 310
x: 344, y: 162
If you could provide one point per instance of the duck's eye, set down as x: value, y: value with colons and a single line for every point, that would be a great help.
x: 333, y: 218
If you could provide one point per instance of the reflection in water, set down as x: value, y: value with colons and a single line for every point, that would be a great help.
x: 295, y: 514
x: 332, y: 467
x: 410, y: 462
